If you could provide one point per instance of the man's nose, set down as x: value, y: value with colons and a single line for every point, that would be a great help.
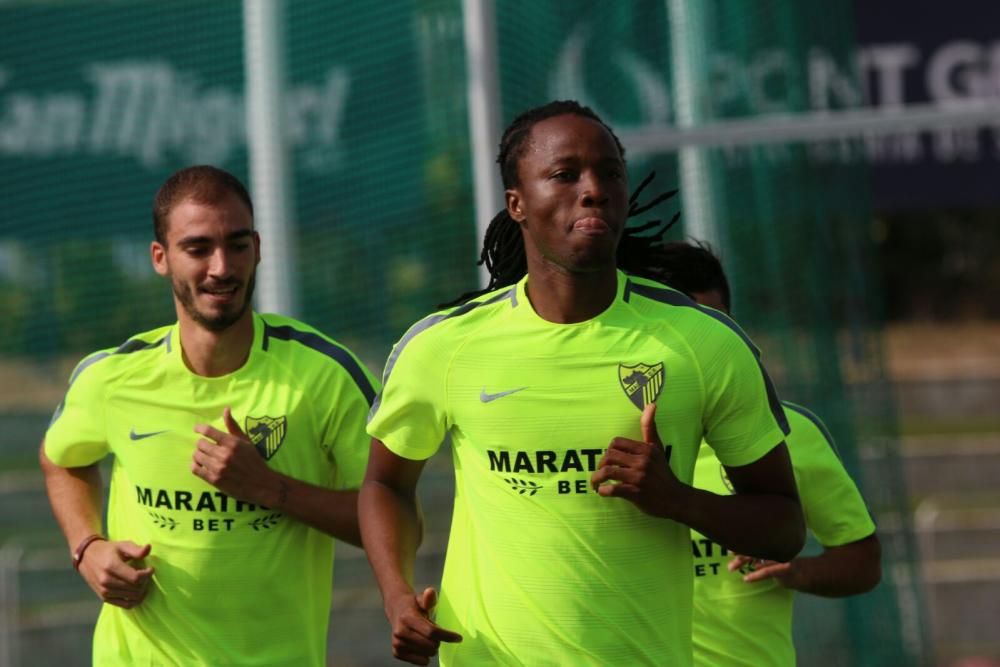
x: 593, y: 191
x: 220, y: 264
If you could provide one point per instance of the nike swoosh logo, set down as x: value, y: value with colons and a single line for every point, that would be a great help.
x: 142, y: 436
x: 486, y: 398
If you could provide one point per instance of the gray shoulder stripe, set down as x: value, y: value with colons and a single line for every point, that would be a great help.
x: 431, y: 320
x: 322, y: 345
x: 57, y: 413
x: 817, y: 422
x: 128, y: 347
x: 85, y: 364
x: 675, y: 298
x: 82, y: 366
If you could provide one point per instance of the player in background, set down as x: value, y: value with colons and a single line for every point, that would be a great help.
x: 576, y: 398
x: 743, y: 606
x: 238, y: 445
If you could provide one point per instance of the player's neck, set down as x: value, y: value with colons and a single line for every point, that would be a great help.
x: 565, y: 297
x: 216, y: 353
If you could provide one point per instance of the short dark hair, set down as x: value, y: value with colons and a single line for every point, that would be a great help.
x: 202, y: 183
x: 693, y: 267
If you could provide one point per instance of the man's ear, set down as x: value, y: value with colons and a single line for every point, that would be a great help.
x: 513, y: 199
x: 158, y: 255
x: 256, y: 247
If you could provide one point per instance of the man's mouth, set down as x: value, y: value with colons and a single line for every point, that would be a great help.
x: 591, y: 226
x: 220, y: 292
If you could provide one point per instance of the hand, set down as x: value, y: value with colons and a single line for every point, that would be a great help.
x: 415, y: 638
x: 108, y: 570
x: 639, y: 471
x: 761, y: 569
x: 230, y: 463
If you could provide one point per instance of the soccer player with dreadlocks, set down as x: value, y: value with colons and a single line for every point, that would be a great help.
x: 575, y: 397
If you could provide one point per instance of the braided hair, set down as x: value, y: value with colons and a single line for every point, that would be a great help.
x: 691, y: 268
x: 503, y: 246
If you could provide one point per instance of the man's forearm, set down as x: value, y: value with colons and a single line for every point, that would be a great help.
x: 115, y: 571
x: 392, y: 530
x: 76, y: 497
x: 761, y: 525
x: 849, y: 569
x: 333, y: 512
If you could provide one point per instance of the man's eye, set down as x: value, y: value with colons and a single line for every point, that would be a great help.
x: 196, y: 251
x: 565, y: 175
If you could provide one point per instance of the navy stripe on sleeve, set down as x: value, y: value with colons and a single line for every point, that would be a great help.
x: 322, y: 345
x: 675, y: 298
x: 817, y: 422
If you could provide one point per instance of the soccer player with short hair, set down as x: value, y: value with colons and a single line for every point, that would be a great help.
x: 575, y: 397
x: 238, y: 444
x: 742, y: 605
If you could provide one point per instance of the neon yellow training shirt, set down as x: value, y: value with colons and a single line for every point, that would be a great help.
x: 235, y: 584
x: 540, y: 569
x: 739, y: 624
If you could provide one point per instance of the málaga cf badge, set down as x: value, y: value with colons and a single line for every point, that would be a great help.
x: 641, y: 383
x: 266, y: 433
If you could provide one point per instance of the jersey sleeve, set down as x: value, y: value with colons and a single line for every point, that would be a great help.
x: 743, y: 419
x: 77, y: 435
x: 409, y: 415
x: 344, y: 436
x: 834, y: 510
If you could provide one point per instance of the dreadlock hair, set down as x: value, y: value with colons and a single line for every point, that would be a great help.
x: 693, y: 267
x: 503, y: 245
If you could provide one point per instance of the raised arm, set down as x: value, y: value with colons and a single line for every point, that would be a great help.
x: 763, y: 517
x: 392, y: 530
x: 77, y: 500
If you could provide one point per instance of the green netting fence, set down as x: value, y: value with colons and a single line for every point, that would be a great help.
x: 100, y: 101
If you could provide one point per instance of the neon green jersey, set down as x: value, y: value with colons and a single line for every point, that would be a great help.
x: 235, y: 584
x: 736, y: 623
x: 540, y: 569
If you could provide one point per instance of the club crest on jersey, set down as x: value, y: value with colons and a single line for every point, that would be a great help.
x: 266, y: 433
x: 641, y: 383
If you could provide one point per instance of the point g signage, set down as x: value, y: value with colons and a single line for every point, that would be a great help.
x: 887, y: 73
